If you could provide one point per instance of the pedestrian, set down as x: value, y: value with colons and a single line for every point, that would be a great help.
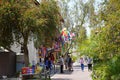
x: 89, y: 64
x: 52, y: 58
x: 66, y: 61
x: 72, y: 64
x: 82, y: 63
x: 61, y: 61
x: 69, y: 63
x: 48, y: 64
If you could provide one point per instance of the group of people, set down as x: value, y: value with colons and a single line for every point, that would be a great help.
x: 68, y: 62
x: 49, y: 61
x: 89, y: 63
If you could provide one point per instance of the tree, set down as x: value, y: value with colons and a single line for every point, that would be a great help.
x: 24, y: 20
x: 104, y: 40
x: 109, y: 50
x: 75, y: 14
x: 9, y: 20
x: 50, y: 11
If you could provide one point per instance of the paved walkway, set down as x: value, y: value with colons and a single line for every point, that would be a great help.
x: 77, y: 74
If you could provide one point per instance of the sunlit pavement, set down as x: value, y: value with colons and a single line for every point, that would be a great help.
x: 77, y: 74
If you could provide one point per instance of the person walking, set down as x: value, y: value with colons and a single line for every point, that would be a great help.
x: 66, y: 61
x: 82, y: 63
x: 61, y: 64
x: 72, y: 64
x: 89, y: 64
x: 69, y: 63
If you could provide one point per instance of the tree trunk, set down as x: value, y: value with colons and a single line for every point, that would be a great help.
x: 26, y: 56
x: 68, y: 48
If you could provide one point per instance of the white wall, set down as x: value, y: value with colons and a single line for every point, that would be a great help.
x: 31, y: 49
x: 16, y: 47
x: 32, y: 52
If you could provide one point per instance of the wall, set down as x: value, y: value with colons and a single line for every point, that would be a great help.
x: 32, y: 51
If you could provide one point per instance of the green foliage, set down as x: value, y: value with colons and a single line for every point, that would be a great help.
x: 74, y: 58
x: 8, y: 21
x: 25, y: 20
x: 108, y: 70
x: 82, y: 35
x: 81, y: 39
x: 104, y: 47
x: 50, y: 12
x: 103, y: 44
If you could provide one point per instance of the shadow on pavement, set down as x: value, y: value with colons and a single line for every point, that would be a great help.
x: 66, y: 72
x: 61, y: 79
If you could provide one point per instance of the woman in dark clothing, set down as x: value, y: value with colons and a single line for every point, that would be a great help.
x: 69, y: 63
x: 49, y: 63
x: 46, y: 62
x: 61, y: 60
